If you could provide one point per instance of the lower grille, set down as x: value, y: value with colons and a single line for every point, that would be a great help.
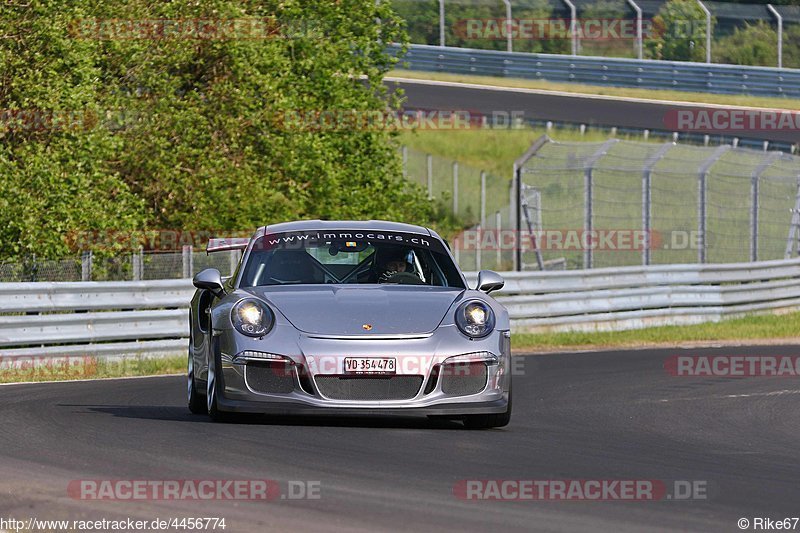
x: 270, y: 377
x: 463, y: 379
x: 369, y: 387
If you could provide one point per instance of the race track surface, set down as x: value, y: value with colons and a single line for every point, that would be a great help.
x: 564, y: 108
x: 611, y: 415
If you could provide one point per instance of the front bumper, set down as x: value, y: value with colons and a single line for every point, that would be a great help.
x: 323, y: 358
x: 288, y: 407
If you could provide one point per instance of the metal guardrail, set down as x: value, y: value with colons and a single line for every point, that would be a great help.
x: 57, y: 322
x: 614, y: 72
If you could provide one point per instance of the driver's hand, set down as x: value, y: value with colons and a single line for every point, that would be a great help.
x: 386, y: 275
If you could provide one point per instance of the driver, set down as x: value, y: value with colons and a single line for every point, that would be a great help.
x: 393, y: 264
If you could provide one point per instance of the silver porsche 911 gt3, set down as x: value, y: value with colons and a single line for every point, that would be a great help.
x: 352, y: 318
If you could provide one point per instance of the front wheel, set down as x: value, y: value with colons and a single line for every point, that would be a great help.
x: 212, y: 393
x: 197, y: 402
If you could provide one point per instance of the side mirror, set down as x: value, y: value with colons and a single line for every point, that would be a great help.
x: 489, y: 281
x: 210, y: 280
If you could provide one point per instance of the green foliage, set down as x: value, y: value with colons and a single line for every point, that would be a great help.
x: 679, y: 32
x: 755, y: 44
x: 203, y: 144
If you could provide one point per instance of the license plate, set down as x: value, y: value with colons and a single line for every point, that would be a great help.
x: 370, y: 365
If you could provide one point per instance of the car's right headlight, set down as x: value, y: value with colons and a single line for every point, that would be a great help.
x: 252, y: 317
x: 475, y: 318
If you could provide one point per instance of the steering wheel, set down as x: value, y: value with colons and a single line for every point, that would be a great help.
x: 404, y: 278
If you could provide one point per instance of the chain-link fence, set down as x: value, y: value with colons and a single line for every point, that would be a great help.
x: 620, y: 203
x: 478, y: 199
x: 468, y: 193
x: 127, y: 267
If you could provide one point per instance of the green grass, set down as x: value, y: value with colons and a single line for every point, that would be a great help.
x: 92, y: 368
x: 748, y: 328
x: 494, y: 149
x: 680, y: 96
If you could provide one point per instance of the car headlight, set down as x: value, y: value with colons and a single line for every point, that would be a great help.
x: 252, y: 318
x: 475, y: 319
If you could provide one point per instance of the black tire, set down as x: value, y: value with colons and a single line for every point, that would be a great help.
x: 212, y: 390
x: 197, y: 401
x: 492, y: 420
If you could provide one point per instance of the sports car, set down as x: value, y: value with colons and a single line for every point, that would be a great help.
x: 351, y: 318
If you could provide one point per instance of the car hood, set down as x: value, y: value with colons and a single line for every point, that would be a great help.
x: 347, y: 310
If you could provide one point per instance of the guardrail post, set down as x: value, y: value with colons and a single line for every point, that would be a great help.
x: 86, y: 266
x: 702, y: 205
x: 187, y: 258
x: 455, y: 187
x: 647, y: 199
x: 779, y: 18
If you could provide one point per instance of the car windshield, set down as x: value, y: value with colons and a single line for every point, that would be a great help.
x: 349, y: 257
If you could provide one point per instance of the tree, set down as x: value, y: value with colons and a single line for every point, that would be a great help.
x: 678, y: 32
x: 205, y: 144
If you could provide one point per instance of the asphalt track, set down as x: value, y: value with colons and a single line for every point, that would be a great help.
x: 554, y: 106
x: 610, y: 415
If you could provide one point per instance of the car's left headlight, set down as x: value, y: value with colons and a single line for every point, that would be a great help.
x: 475, y: 318
x: 252, y: 317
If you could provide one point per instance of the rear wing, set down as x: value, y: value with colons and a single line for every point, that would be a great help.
x: 226, y: 244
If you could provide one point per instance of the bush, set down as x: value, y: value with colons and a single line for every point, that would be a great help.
x: 755, y: 44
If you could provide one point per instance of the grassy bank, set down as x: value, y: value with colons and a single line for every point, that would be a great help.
x: 678, y: 96
x: 494, y: 149
x: 772, y: 328
x: 64, y: 369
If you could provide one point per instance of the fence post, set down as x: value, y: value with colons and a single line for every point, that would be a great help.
x: 187, y: 258
x: 234, y: 260
x: 779, y: 18
x: 404, y: 151
x: 136, y: 264
x: 702, y: 187
x: 455, y: 187
x: 483, y: 199
x: 509, y: 46
x: 794, y: 225
x: 498, y: 223
x: 754, y: 217
x: 755, y: 185
x: 573, y: 26
x: 429, y: 162
x: 588, y: 198
x: 647, y: 199
x: 708, y: 30
x: 441, y: 23
x: 33, y: 270
x: 86, y: 266
x: 515, y: 211
x: 638, y: 42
